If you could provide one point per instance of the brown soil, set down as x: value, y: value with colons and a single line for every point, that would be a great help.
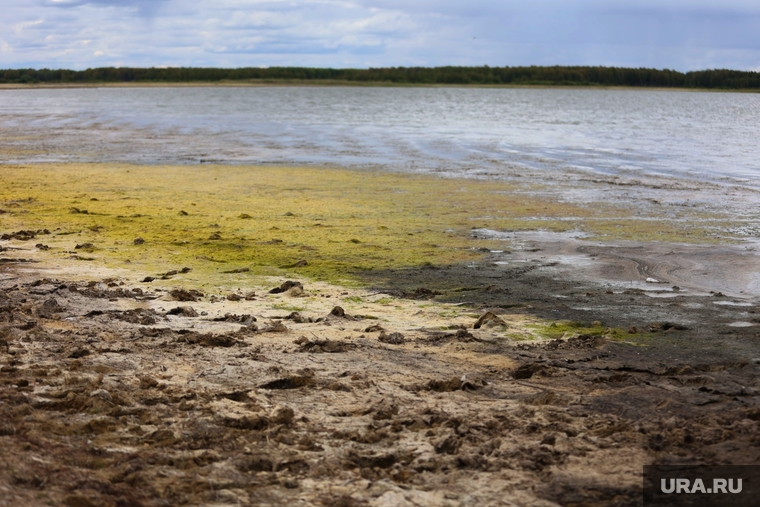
x: 115, y: 392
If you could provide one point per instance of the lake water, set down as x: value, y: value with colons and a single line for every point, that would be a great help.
x: 472, y: 131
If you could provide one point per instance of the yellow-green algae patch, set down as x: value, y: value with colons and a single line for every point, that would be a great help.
x: 569, y: 329
x: 268, y: 220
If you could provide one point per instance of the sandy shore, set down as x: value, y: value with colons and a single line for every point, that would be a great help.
x: 489, y: 364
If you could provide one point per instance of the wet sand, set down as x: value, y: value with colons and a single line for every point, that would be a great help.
x: 539, y: 369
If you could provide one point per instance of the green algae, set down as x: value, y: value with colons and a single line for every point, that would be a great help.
x: 568, y: 329
x: 321, y: 224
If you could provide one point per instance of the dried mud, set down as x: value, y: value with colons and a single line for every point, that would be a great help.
x: 110, y: 397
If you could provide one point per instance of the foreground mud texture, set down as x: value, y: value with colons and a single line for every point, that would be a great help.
x: 120, y: 393
x: 161, y: 345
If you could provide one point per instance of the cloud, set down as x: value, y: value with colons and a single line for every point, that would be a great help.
x: 677, y: 34
x: 141, y: 7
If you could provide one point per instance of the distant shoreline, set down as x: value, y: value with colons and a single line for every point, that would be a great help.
x: 541, y: 76
x: 347, y: 83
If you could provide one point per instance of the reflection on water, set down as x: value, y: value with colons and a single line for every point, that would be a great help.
x: 456, y: 130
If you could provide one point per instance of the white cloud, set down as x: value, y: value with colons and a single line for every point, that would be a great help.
x: 26, y: 24
x: 677, y: 34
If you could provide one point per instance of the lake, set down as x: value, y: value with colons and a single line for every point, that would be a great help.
x: 455, y: 131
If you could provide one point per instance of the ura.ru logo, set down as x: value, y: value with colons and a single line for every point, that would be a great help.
x: 698, y: 486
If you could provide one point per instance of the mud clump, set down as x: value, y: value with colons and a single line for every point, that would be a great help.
x: 291, y: 287
x: 245, y: 319
x: 584, y: 341
x: 141, y: 316
x: 391, y: 338
x: 24, y: 235
x: 183, y: 311
x: 489, y: 319
x: 319, y: 346
x: 185, y: 295
x: 49, y: 308
x: 292, y: 382
x: 526, y: 371
x: 422, y: 293
x: 666, y: 326
x: 210, y: 340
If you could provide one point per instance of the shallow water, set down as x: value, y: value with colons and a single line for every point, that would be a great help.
x: 473, y: 131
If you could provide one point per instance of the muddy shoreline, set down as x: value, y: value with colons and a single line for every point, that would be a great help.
x: 707, y: 296
x: 115, y: 391
x: 184, y: 337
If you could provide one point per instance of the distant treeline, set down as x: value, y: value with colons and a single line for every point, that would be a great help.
x: 573, y: 76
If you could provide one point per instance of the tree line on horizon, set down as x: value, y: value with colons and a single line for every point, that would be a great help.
x: 485, y: 75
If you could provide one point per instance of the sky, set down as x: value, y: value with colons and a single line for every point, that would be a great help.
x: 675, y: 34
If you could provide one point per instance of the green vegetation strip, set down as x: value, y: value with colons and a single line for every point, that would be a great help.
x: 485, y: 75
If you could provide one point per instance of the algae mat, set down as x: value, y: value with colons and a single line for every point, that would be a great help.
x: 324, y: 224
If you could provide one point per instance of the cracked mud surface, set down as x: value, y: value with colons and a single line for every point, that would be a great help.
x: 110, y: 395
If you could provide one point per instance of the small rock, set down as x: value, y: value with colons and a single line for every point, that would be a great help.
x: 138, y: 241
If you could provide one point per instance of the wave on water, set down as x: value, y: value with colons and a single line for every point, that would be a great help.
x: 456, y: 131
